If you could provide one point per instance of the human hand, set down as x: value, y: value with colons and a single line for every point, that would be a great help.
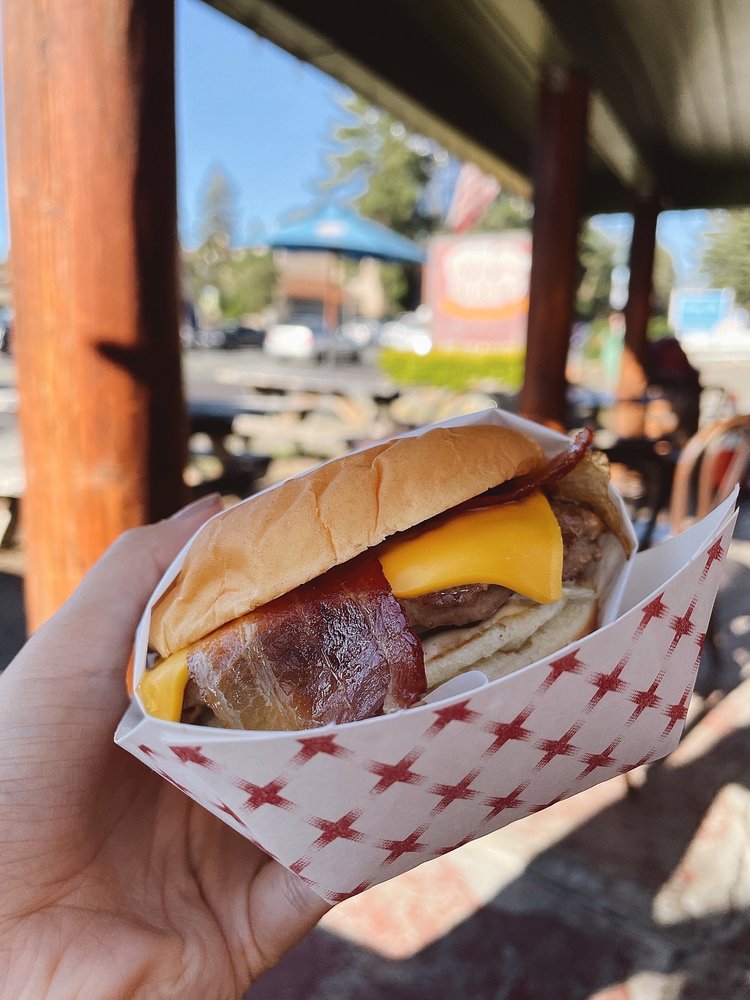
x: 114, y: 884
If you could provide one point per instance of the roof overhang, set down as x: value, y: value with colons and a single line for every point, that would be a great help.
x: 467, y: 75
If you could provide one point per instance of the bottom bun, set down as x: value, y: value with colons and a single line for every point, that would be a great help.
x: 520, y: 633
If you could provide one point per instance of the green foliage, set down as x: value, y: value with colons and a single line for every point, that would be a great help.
x: 391, y: 167
x: 726, y: 257
x: 455, y: 369
x: 659, y: 328
x: 507, y: 211
x: 596, y: 258
x: 664, y: 279
x: 242, y: 280
x: 219, y: 210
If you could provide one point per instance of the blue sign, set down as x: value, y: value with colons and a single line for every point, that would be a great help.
x: 700, y: 311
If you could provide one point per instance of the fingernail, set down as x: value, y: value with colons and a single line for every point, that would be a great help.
x: 209, y: 500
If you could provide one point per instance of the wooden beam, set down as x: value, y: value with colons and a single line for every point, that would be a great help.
x: 558, y: 179
x: 633, y: 382
x: 92, y: 196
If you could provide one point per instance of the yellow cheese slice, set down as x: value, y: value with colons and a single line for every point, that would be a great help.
x: 163, y: 688
x: 516, y: 545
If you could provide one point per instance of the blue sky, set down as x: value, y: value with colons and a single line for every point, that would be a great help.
x: 267, y: 121
x: 263, y: 116
x: 680, y: 233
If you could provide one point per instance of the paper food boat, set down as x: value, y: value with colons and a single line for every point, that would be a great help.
x: 348, y: 806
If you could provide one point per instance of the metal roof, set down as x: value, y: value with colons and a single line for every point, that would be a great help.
x: 669, y: 78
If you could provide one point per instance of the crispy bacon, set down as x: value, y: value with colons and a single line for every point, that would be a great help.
x: 334, y: 650
x: 522, y: 486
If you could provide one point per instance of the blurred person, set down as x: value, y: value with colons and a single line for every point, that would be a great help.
x: 669, y: 371
x: 115, y: 884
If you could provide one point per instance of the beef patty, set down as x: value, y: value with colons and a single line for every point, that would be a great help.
x: 471, y: 603
x: 455, y: 606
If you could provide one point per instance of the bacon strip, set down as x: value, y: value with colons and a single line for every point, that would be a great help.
x: 522, y: 486
x: 334, y: 650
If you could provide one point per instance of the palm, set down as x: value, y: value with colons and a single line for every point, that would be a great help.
x: 116, y: 884
x: 168, y: 880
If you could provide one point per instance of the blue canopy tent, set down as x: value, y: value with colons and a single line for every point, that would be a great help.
x: 339, y: 230
x: 342, y: 230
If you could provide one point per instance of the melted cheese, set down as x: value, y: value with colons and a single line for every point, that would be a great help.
x: 516, y: 545
x: 163, y: 688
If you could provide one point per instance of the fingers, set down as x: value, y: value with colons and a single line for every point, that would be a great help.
x: 93, y: 632
x: 283, y: 909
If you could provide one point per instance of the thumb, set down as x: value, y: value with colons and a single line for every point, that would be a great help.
x: 119, y: 585
x: 93, y: 631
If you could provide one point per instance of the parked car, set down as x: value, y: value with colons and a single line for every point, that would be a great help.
x: 6, y: 330
x: 360, y: 332
x: 408, y: 332
x: 304, y: 338
x: 235, y: 335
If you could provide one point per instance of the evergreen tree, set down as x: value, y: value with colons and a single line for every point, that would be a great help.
x: 387, y: 169
x: 390, y: 166
x: 507, y: 211
x: 243, y: 279
x: 218, y: 211
x: 596, y: 258
x: 726, y: 257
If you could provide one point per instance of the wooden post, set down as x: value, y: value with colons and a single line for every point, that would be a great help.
x: 89, y: 96
x: 632, y: 384
x: 558, y: 179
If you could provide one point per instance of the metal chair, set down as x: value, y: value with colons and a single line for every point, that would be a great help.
x: 707, y: 468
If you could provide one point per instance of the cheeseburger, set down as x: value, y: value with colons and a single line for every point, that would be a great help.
x: 356, y: 588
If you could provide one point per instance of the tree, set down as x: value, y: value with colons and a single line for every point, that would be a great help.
x: 596, y: 259
x: 219, y: 211
x: 388, y: 170
x: 726, y: 256
x: 507, y: 211
x: 664, y: 279
x: 389, y: 165
x: 240, y: 280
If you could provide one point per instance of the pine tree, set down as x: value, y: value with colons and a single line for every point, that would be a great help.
x: 726, y: 257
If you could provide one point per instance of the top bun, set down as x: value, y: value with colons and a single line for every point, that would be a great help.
x: 284, y: 537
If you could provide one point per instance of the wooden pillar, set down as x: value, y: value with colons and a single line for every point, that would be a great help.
x: 89, y: 96
x: 558, y: 178
x: 633, y: 382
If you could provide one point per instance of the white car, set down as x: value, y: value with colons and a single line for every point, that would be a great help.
x: 305, y: 339
x: 410, y: 332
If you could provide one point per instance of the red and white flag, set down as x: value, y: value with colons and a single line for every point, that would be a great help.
x: 473, y: 193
